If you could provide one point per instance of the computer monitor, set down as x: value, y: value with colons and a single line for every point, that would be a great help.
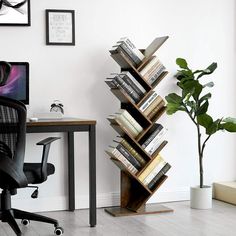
x: 17, y: 86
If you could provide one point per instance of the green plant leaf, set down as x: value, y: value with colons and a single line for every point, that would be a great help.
x: 204, y: 120
x: 173, y: 98
x: 171, y: 108
x: 229, y: 124
x: 210, y: 85
x: 213, y: 128
x: 193, y: 87
x: 202, y: 109
x: 182, y: 63
x: 205, y: 97
x: 209, y: 70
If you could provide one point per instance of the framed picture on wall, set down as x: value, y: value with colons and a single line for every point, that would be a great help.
x: 14, y: 12
x: 60, y: 27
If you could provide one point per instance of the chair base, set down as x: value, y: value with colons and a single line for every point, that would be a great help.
x: 8, y: 214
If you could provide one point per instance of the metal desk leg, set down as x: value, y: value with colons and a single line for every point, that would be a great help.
x: 71, y: 171
x: 92, y: 176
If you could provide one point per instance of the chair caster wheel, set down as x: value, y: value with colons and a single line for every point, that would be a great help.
x: 59, y: 231
x: 25, y: 222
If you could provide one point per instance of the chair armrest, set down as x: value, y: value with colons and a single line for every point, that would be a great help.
x: 46, y: 143
x: 47, y: 140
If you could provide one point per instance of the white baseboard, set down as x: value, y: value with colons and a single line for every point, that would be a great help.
x: 103, y: 200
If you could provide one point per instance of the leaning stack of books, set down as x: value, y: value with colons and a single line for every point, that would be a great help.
x: 152, y: 140
x: 128, y: 156
x: 127, y: 122
x: 115, y: 153
x: 130, y: 149
x: 126, y: 82
x: 154, y: 171
x: 152, y: 105
x: 152, y: 71
x: 125, y: 46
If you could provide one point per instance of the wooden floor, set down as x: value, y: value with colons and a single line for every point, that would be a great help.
x: 219, y: 221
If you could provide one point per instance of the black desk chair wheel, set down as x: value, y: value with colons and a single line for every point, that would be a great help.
x: 14, y: 173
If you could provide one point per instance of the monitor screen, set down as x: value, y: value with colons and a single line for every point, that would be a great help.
x: 17, y: 86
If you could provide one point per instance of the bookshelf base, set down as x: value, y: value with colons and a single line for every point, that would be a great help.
x: 148, y: 209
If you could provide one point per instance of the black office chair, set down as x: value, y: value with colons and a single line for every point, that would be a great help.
x: 14, y: 173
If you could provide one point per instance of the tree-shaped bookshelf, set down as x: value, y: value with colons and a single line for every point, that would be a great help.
x: 134, y: 193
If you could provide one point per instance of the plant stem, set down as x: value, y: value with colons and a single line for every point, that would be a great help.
x: 200, y: 156
x: 188, y: 112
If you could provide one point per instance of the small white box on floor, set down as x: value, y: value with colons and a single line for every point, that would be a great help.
x: 225, y: 191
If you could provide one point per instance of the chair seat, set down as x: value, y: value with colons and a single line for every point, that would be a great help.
x: 33, y: 172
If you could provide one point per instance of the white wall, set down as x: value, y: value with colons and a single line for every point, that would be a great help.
x: 201, y: 31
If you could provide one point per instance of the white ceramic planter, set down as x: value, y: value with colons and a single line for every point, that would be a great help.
x: 201, y: 198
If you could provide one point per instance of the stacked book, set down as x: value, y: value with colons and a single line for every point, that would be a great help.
x: 125, y: 46
x: 154, y: 171
x: 152, y: 105
x: 152, y: 71
x: 128, y: 85
x: 126, y: 154
x: 152, y: 140
x: 126, y: 122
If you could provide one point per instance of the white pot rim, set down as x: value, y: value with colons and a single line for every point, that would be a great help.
x: 204, y: 187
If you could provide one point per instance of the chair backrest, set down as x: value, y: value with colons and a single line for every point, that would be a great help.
x: 12, y: 138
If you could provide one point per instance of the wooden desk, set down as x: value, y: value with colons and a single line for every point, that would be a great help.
x: 71, y: 125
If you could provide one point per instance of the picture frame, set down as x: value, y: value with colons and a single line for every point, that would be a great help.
x: 60, y: 27
x: 14, y: 13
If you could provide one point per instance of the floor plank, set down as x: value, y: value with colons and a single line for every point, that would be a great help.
x: 184, y: 221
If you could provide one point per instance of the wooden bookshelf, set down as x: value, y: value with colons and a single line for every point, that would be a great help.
x: 134, y: 193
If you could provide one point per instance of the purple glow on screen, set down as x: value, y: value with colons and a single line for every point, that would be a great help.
x: 16, y: 84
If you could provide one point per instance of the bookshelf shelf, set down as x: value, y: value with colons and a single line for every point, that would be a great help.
x: 140, y: 178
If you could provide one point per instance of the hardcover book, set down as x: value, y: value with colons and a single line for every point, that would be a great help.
x: 163, y: 171
x: 113, y: 152
x: 127, y: 155
x: 130, y: 119
x: 150, y: 167
x: 133, y: 152
x: 155, y: 180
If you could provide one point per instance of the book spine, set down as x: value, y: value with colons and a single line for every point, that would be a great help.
x: 128, y: 156
x: 152, y: 136
x: 123, y: 117
x: 119, y: 55
x: 128, y: 126
x: 158, y: 176
x: 128, y: 89
x: 156, y: 76
x: 111, y: 84
x: 155, y: 143
x: 152, y: 105
x: 152, y: 70
x: 143, y: 90
x: 149, y: 168
x: 133, y: 152
x: 133, y: 85
x: 123, y: 91
x: 132, y: 47
x: 156, y: 110
x: 148, y: 66
x: 133, y: 122
x: 125, y: 162
x: 155, y: 171
x: 130, y: 53
x: 148, y: 102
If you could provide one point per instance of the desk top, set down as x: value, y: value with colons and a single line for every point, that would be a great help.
x: 64, y: 121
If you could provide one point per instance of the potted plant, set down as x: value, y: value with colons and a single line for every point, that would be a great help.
x: 194, y: 101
